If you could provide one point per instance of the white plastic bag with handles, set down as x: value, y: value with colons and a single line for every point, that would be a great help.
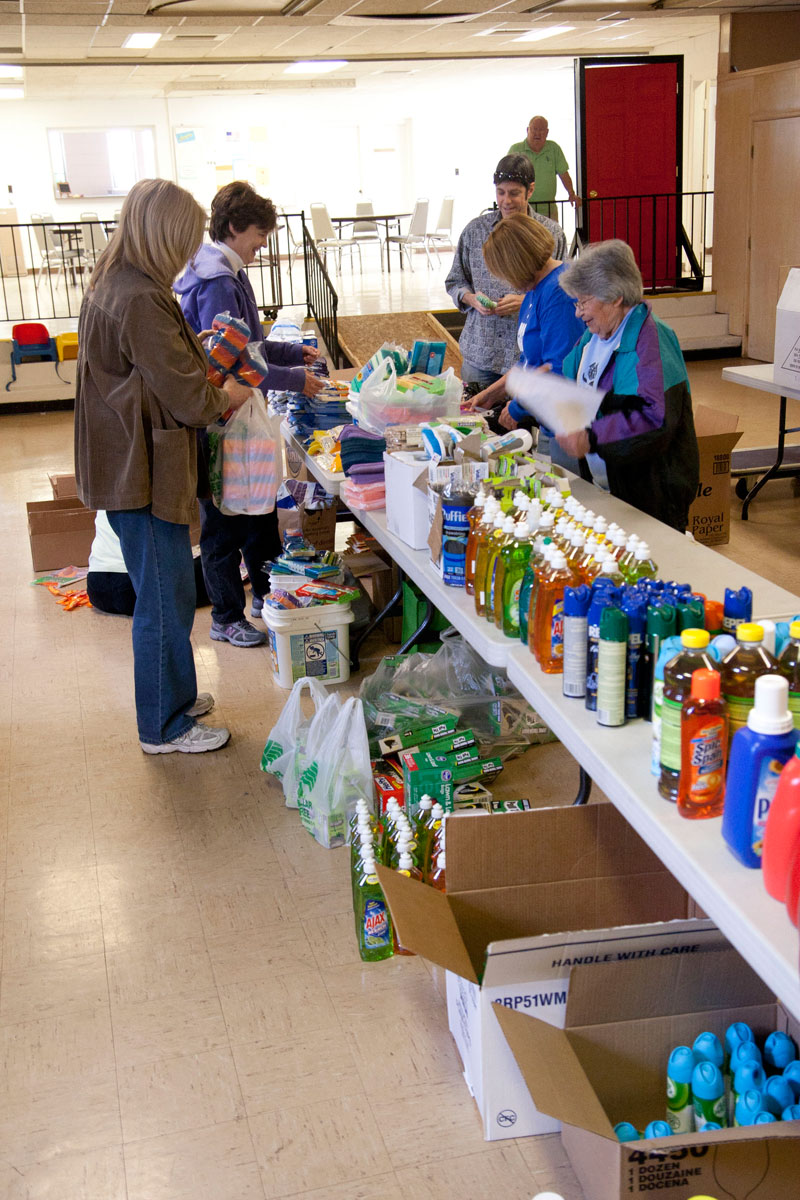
x: 337, y: 772
x: 244, y: 461
x: 381, y: 403
x: 284, y: 751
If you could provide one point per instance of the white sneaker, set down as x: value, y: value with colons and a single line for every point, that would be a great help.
x: 196, y: 740
x: 202, y: 705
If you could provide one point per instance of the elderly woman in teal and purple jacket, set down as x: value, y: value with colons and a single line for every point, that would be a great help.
x: 642, y: 445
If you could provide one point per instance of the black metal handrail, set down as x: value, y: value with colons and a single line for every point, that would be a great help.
x: 323, y: 301
x: 670, y: 234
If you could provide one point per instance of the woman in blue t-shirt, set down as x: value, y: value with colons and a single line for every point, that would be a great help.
x: 520, y: 250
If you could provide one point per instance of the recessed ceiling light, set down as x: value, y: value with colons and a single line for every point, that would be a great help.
x: 316, y: 67
x: 12, y: 93
x: 8, y: 71
x: 538, y: 35
x: 140, y: 41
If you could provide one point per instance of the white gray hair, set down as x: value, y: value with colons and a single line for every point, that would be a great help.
x: 606, y: 271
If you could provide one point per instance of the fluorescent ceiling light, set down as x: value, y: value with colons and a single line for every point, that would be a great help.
x: 140, y: 41
x: 538, y: 35
x: 486, y: 32
x: 7, y: 71
x: 314, y: 68
x: 12, y: 93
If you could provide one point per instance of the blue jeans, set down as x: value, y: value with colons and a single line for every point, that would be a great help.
x: 224, y: 542
x: 473, y: 374
x: 158, y: 556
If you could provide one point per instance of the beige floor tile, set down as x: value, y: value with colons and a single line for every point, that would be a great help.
x: 263, y: 950
x: 333, y: 940
x: 411, y: 1136
x: 56, y: 1050
x: 499, y: 1170
x: 550, y: 1166
x: 143, y: 972
x: 288, y: 1071
x: 193, y: 1091
x: 33, y: 937
x: 54, y: 987
x: 167, y: 1027
x: 200, y: 1164
x: 384, y: 1187
x: 317, y: 894
x: 162, y: 919
x: 397, y: 987
x: 37, y: 1125
x: 222, y: 834
x: 298, y: 854
x: 137, y: 820
x: 232, y: 900
x: 403, y: 1052
x: 277, y: 1006
x: 48, y: 847
x: 95, y: 1175
x: 53, y: 893
x: 317, y: 1145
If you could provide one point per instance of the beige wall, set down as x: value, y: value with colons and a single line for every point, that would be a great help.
x: 764, y: 39
x: 755, y: 109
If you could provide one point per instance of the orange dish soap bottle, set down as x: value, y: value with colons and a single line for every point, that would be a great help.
x: 704, y: 748
x: 549, y: 620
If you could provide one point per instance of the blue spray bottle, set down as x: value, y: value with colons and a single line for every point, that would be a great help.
x: 758, y: 755
x: 738, y: 607
x: 626, y: 1132
x: 792, y: 1072
x: 792, y: 1113
x: 779, y: 1051
x: 748, y: 1106
x: 777, y: 1094
x: 634, y: 605
x: 603, y: 594
x: 576, y: 624
x: 708, y: 1048
x: 657, y: 1129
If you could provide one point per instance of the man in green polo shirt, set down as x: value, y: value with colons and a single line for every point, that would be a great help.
x: 548, y: 162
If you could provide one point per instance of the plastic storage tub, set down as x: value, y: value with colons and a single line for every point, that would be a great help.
x: 309, y: 641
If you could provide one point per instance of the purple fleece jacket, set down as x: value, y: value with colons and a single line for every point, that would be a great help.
x: 210, y: 286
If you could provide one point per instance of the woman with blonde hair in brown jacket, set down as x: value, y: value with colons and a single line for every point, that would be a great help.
x: 141, y: 394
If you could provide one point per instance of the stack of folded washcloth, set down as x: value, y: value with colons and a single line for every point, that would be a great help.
x: 323, y: 411
x: 362, y: 454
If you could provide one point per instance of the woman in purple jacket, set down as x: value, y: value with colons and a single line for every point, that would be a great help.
x: 215, y: 282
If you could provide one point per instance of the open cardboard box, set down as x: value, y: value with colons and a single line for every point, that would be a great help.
x: 61, y: 533
x: 608, y: 1064
x: 527, y: 894
x: 710, y: 512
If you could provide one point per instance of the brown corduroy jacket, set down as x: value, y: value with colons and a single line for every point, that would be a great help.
x: 141, y: 393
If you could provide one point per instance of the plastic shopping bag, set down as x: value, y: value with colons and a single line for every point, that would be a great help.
x: 243, y: 469
x: 381, y: 403
x: 337, y: 773
x: 284, y: 751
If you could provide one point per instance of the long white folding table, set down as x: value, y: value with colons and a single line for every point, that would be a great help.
x: 618, y: 760
x: 759, y: 376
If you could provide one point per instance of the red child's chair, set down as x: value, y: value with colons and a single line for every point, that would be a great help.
x: 30, y: 342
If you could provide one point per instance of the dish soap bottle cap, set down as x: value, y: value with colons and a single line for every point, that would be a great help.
x: 695, y: 639
x: 748, y: 631
x: 770, y: 713
x: 705, y: 684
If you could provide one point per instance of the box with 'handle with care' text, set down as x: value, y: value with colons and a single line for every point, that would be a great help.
x: 528, y: 895
x: 608, y: 1064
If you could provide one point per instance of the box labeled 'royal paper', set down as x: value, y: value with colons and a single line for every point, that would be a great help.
x: 710, y: 512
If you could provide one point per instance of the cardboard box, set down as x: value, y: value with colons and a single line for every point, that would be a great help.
x: 608, y: 1064
x: 61, y: 533
x: 64, y: 486
x: 710, y: 513
x: 407, y: 497
x: 527, y: 893
x: 786, y: 360
x: 319, y: 527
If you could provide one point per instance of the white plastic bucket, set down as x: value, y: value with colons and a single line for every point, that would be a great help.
x: 309, y: 641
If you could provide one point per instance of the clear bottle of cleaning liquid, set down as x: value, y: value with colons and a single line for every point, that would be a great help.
x: 627, y: 554
x: 541, y: 568
x: 677, y: 688
x: 438, y: 877
x: 515, y: 561
x: 475, y: 516
x: 492, y: 563
x: 482, y: 558
x: 373, y: 922
x: 704, y: 748
x: 789, y: 667
x: 641, y: 566
x: 741, y: 668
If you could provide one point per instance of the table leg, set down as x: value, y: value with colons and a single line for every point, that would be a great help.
x: 775, y: 469
x: 584, y: 789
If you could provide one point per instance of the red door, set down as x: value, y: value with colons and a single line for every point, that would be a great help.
x: 631, y: 149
